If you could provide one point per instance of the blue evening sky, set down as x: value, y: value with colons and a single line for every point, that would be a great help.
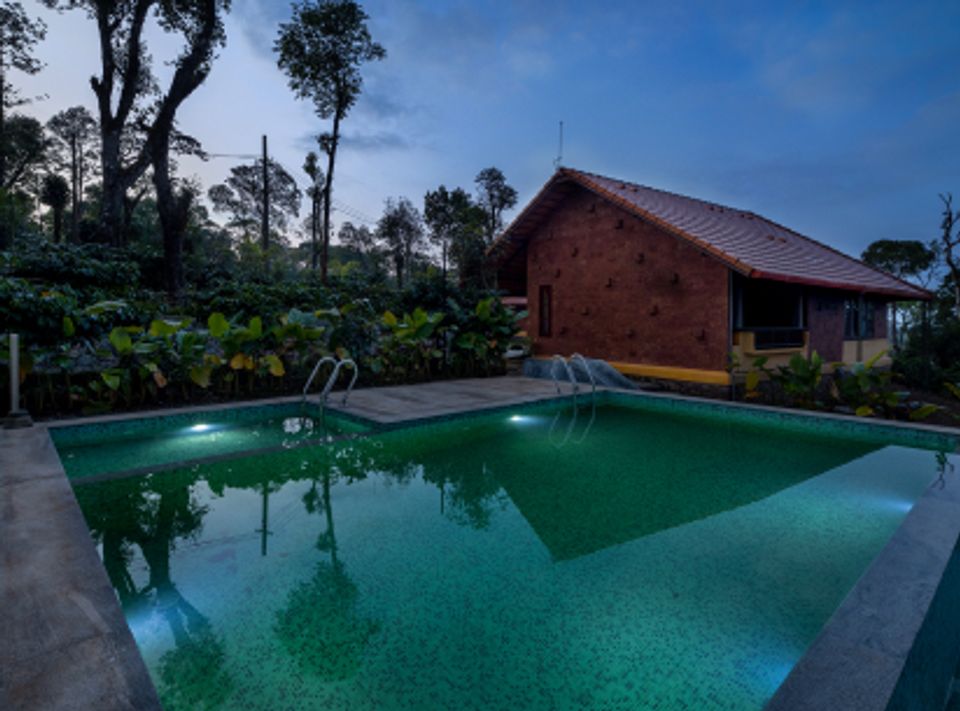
x: 840, y: 120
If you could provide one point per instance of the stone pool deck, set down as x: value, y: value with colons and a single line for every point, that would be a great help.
x: 397, y: 404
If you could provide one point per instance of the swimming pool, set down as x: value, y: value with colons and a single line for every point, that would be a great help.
x: 645, y: 555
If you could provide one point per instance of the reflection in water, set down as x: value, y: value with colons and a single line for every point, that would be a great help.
x: 151, y: 513
x: 319, y: 626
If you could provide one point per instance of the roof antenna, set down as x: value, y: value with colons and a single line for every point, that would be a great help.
x: 558, y: 161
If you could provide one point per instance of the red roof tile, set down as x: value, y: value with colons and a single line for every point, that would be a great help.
x: 745, y: 241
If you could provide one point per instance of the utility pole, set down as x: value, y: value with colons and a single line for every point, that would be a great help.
x: 265, y: 219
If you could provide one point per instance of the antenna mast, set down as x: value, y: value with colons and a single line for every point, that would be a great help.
x: 559, y: 159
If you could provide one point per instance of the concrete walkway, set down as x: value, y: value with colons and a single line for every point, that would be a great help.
x: 403, y: 403
x: 65, y: 642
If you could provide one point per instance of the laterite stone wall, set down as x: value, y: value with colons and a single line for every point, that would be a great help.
x: 625, y: 290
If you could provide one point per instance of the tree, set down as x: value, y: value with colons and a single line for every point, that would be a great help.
x: 443, y: 213
x: 400, y: 229
x: 359, y: 239
x: 19, y: 36
x: 75, y: 132
x: 321, y: 50
x: 904, y: 259
x: 129, y: 102
x: 24, y: 147
x: 315, y: 193
x: 494, y: 196
x: 55, y: 194
x: 950, y: 239
x: 241, y: 195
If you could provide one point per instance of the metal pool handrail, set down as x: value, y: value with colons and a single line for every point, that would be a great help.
x: 586, y: 366
x: 331, y: 381
x: 566, y: 365
x: 316, y: 369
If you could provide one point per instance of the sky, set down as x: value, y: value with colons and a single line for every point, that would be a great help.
x: 840, y: 120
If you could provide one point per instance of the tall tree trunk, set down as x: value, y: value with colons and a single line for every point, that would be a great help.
x: 328, y: 187
x: 3, y: 115
x: 314, y: 219
x: 5, y: 237
x: 173, y: 207
x: 57, y: 224
x: 114, y: 187
x: 74, y: 189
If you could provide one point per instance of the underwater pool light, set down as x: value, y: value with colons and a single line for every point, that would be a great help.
x: 201, y: 428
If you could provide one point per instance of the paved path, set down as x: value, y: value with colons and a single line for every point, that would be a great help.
x: 65, y: 643
x: 400, y: 403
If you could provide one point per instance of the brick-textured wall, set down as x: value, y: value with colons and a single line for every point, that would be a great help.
x: 624, y: 290
x: 825, y: 320
x: 825, y: 323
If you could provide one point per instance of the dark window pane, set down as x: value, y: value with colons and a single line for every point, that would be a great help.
x: 546, y: 310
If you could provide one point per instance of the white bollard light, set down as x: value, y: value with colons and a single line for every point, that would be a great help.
x: 17, y: 417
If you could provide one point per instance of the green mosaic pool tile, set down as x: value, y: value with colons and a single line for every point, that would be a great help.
x: 496, y: 563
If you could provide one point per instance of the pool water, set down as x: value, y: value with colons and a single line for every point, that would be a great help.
x: 657, y: 560
x: 145, y: 444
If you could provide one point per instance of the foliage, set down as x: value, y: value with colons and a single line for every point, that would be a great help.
x: 111, y: 355
x: 23, y: 147
x: 798, y: 381
x: 241, y: 195
x: 867, y: 389
x: 77, y: 265
x: 400, y: 230
x: 902, y: 258
x: 321, y: 50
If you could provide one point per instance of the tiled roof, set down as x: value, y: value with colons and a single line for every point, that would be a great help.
x: 745, y: 241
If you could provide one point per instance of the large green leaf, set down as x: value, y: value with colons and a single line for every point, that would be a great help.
x: 165, y: 327
x: 256, y: 327
x: 201, y: 375
x: 120, y: 340
x: 111, y: 378
x: 68, y: 327
x: 218, y: 324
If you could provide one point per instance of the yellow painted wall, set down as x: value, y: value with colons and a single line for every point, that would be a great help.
x: 746, y: 352
x: 870, y: 348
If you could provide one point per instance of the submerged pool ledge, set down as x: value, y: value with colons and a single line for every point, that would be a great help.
x: 66, y: 644
x: 894, y: 642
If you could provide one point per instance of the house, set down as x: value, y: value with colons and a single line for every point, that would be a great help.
x: 668, y: 286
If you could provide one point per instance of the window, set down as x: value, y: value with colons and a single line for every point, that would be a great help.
x: 858, y: 319
x: 767, y: 304
x: 546, y: 310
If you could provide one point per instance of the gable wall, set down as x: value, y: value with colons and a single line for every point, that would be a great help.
x: 614, y: 295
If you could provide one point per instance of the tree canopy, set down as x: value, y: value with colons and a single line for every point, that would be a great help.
x: 321, y: 50
x: 241, y: 196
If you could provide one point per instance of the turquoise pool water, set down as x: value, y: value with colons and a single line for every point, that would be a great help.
x: 141, y: 444
x: 658, y: 560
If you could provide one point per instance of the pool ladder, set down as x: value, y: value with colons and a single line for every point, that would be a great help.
x: 566, y: 364
x: 332, y: 380
x: 575, y: 383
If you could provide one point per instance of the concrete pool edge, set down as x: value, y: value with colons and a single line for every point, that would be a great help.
x: 67, y: 643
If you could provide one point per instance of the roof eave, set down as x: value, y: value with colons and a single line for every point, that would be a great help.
x: 914, y: 294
